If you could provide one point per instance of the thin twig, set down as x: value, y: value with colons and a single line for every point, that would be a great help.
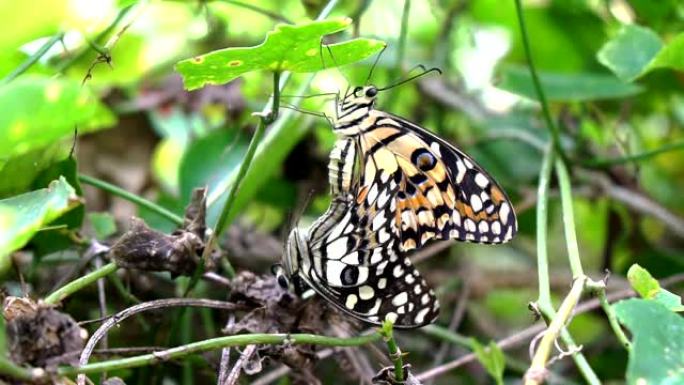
x: 636, y: 201
x: 213, y: 344
x: 537, y: 372
x: 79, y: 283
x: 234, y: 375
x: 225, y: 355
x: 456, y: 318
x: 122, y: 315
x: 31, y: 60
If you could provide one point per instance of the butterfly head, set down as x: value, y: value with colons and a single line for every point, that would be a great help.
x: 355, y: 105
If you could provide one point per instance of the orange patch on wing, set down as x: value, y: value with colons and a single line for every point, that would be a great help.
x: 363, y: 192
x: 497, y: 195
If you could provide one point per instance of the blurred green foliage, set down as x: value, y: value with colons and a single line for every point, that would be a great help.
x: 612, y: 71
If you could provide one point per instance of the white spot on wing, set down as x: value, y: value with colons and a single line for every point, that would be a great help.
x: 400, y: 299
x: 366, y: 292
x: 503, y: 212
x: 352, y: 299
x: 420, y: 317
x: 475, y: 203
x: 333, y: 272
x: 481, y: 180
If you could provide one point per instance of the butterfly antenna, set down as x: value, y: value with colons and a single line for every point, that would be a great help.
x: 337, y: 66
x: 375, y: 63
x: 307, y: 112
x: 309, y: 96
x: 425, y: 72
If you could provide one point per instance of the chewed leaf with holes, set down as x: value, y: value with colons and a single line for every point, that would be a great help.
x: 295, y: 48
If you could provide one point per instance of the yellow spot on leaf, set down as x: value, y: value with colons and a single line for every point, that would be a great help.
x: 198, y: 59
x: 82, y: 99
x: 52, y: 92
x: 17, y: 129
x: 234, y: 63
x: 274, y: 66
x: 312, y: 52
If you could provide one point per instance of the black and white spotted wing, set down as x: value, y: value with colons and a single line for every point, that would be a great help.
x: 443, y: 193
x: 352, y: 258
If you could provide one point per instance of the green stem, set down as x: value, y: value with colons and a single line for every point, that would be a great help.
x: 10, y: 369
x: 580, y: 361
x: 599, y: 288
x: 79, y: 283
x: 264, y: 121
x: 31, y: 60
x: 542, y: 228
x: 605, y: 162
x: 118, y: 191
x: 394, y: 352
x: 447, y: 335
x: 555, y: 133
x: 215, y: 344
x: 568, y: 219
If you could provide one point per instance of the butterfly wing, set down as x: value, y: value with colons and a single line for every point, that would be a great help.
x: 357, y: 264
x: 443, y: 193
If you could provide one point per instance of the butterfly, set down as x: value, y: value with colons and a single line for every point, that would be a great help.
x: 395, y: 187
x: 351, y: 257
x: 443, y: 193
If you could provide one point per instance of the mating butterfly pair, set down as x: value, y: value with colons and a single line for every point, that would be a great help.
x: 395, y: 187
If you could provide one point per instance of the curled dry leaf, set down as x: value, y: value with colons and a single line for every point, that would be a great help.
x: 143, y: 248
x: 276, y: 310
x: 38, y: 335
x: 386, y: 376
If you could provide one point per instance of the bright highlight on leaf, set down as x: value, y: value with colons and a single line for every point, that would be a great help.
x: 648, y: 288
x: 295, y: 48
x: 23, y: 215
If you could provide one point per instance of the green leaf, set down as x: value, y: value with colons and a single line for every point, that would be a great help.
x: 642, y: 282
x: 38, y: 111
x: 657, y: 354
x: 637, y: 50
x: 23, y: 215
x: 566, y: 87
x: 492, y: 359
x: 630, y: 52
x: 648, y: 288
x: 295, y: 48
x: 671, y: 56
x: 209, y: 158
x: 59, y: 236
x: 103, y: 224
